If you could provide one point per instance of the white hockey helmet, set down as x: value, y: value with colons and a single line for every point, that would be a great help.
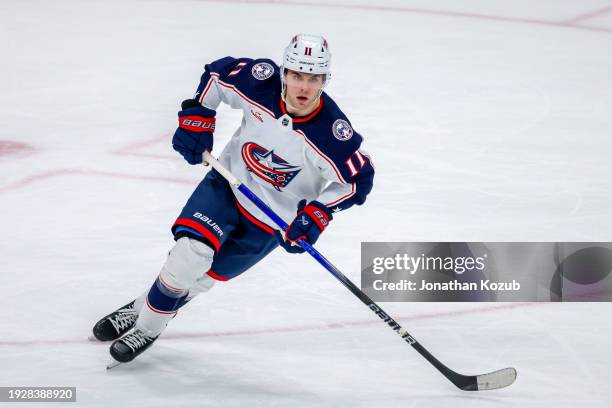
x: 308, y: 53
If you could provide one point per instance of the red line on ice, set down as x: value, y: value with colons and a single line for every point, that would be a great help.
x: 71, y: 172
x: 134, y: 149
x: 13, y: 148
x: 345, y: 324
x: 587, y: 16
x: 420, y: 11
x: 290, y: 329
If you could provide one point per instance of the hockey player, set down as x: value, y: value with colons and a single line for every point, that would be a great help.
x: 294, y: 148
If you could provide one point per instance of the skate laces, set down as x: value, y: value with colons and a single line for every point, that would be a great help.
x: 123, y: 319
x: 136, y: 339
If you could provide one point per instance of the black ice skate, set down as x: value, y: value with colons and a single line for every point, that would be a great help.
x: 116, y: 324
x: 130, y: 346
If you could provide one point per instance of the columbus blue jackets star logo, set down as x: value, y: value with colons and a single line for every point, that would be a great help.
x: 268, y: 166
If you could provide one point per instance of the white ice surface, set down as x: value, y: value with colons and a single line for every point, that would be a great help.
x: 487, y: 121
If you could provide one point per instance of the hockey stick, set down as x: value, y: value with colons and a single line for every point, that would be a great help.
x: 489, y: 381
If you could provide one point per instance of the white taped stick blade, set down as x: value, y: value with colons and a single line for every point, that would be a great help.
x: 497, y: 379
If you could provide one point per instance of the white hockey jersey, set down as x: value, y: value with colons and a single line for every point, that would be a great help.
x: 285, y: 159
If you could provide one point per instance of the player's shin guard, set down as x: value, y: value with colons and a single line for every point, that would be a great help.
x: 188, y: 260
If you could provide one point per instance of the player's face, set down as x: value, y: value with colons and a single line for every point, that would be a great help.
x: 302, y: 90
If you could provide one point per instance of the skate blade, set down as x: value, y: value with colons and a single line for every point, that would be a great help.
x: 91, y: 337
x: 112, y: 364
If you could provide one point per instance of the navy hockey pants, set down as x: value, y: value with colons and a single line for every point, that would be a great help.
x: 214, y: 216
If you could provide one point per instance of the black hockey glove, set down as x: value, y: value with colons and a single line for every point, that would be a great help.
x: 195, y: 132
x: 310, y: 221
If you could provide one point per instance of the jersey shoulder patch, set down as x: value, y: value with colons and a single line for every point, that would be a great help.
x: 263, y: 69
x: 258, y: 80
x: 248, y: 73
x: 333, y: 133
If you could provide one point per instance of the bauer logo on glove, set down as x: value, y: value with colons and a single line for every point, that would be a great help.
x: 197, y: 124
